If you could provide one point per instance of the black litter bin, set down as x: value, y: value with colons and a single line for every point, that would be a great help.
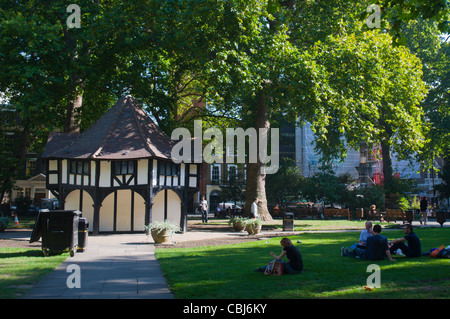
x: 288, y: 222
x: 58, y: 229
x: 83, y: 229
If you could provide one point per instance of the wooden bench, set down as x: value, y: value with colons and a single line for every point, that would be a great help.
x: 336, y: 212
x: 395, y: 214
x: 301, y: 212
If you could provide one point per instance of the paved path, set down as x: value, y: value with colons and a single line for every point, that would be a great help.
x: 113, y: 266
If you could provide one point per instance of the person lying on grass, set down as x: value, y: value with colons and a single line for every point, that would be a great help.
x: 295, y: 264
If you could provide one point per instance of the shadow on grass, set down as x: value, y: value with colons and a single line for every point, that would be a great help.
x: 26, y: 253
x: 228, y: 271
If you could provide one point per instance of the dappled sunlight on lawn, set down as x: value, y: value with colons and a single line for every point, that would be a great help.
x: 228, y: 271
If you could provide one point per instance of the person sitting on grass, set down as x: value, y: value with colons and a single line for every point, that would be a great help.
x: 376, y: 249
x: 366, y: 233
x: 413, y: 249
x: 295, y: 264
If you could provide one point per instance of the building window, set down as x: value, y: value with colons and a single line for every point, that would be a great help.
x: 8, y: 139
x: 215, y: 174
x: 124, y: 167
x: 168, y: 169
x: 31, y: 167
x: 232, y: 172
x: 79, y: 167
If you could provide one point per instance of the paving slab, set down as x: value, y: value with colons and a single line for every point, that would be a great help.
x: 112, y: 267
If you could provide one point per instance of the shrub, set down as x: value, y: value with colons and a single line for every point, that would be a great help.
x: 161, y: 226
x: 3, y: 223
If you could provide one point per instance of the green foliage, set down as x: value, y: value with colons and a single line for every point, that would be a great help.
x: 160, y: 226
x: 444, y: 187
x: 22, y: 268
x: 285, y: 185
x: 4, y: 221
x: 400, y: 12
x: 8, y: 171
x: 375, y: 90
x: 22, y: 203
x: 364, y: 198
x: 323, y: 186
x: 232, y: 189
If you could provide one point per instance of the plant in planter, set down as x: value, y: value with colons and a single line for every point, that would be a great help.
x: 238, y: 223
x: 162, y: 231
x: 253, y: 226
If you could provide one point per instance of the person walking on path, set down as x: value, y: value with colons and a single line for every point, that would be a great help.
x: 423, y: 211
x: 255, y: 208
x: 204, y: 209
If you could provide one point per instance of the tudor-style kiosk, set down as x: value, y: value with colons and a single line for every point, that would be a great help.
x: 119, y: 172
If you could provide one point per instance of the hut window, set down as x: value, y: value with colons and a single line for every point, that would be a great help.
x: 168, y: 169
x: 124, y: 167
x: 79, y: 167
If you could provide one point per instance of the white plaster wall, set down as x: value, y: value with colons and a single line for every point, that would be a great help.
x: 173, y: 207
x: 105, y: 174
x: 142, y: 172
x: 139, y: 212
x: 158, y: 207
x: 106, y: 220
x: 123, y: 221
x: 123, y: 210
x: 87, y: 210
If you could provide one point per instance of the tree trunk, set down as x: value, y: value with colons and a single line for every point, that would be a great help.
x: 71, y: 125
x: 76, y: 83
x: 387, y: 165
x: 256, y: 181
x: 390, y: 197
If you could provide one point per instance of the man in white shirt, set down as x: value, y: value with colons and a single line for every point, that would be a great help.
x: 255, y: 208
x: 366, y: 233
x: 204, y: 209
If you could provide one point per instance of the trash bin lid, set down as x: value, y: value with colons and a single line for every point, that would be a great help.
x: 37, y: 232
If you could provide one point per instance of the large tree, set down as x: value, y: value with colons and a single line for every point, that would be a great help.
x: 377, y: 89
x: 248, y: 59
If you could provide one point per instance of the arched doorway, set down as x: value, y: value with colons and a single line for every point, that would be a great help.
x: 122, y: 211
x: 82, y: 201
x: 166, y: 205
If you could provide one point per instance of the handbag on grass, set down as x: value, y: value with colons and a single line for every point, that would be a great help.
x: 275, y: 267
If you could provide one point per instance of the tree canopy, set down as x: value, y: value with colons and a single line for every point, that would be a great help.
x: 248, y: 61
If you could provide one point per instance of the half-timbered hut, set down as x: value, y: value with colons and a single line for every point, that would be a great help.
x: 119, y: 172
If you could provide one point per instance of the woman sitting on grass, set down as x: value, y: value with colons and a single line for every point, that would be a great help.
x: 295, y: 264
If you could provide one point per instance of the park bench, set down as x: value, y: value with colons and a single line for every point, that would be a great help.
x: 302, y: 212
x: 394, y: 214
x: 336, y: 212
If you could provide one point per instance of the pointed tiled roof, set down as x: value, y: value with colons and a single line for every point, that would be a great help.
x: 125, y: 131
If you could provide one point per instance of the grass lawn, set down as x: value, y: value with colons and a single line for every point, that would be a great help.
x: 21, y: 268
x: 308, y: 224
x: 227, y: 271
